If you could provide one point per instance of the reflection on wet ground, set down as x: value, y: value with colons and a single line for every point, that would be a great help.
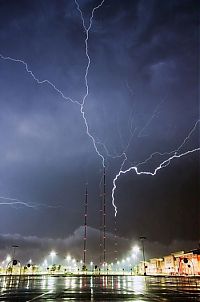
x: 99, y: 288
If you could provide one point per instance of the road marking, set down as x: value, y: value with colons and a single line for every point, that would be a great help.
x: 42, y: 295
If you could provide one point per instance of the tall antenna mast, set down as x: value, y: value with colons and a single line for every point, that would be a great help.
x: 104, y: 216
x: 103, y: 222
x: 115, y: 239
x: 85, y: 227
x: 101, y: 231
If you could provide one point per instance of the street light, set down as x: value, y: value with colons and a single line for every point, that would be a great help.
x: 68, y: 258
x: 45, y: 263
x: 136, y: 249
x: 91, y: 264
x: 142, y: 238
x: 52, y: 254
x: 8, y: 258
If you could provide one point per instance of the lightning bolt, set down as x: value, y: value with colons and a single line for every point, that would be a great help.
x: 163, y: 164
x: 151, y: 118
x: 18, y: 202
x: 174, y: 151
x: 29, y: 71
x: 114, y: 183
x: 87, y: 31
x: 15, y: 201
x: 80, y: 104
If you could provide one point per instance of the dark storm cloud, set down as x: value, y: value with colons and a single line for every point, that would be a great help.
x: 39, y: 248
x: 155, y: 56
x: 143, y: 79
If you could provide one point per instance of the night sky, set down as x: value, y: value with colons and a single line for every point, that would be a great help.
x: 143, y: 98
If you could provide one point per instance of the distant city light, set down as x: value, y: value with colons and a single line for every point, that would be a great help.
x: 68, y: 258
x: 8, y: 258
x: 45, y: 263
x: 53, y: 254
x: 136, y: 249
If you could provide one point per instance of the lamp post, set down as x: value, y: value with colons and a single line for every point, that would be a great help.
x: 14, y: 248
x: 14, y: 261
x: 142, y: 238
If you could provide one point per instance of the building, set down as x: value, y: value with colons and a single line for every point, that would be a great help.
x: 189, y: 263
x: 178, y: 263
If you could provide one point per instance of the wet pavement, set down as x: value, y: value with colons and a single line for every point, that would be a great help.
x: 99, y: 288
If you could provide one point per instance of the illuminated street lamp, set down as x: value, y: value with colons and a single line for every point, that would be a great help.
x: 8, y: 258
x: 45, y: 263
x: 74, y: 262
x: 91, y: 264
x: 81, y: 264
x: 136, y: 249
x: 68, y: 258
x: 133, y: 256
x: 52, y: 254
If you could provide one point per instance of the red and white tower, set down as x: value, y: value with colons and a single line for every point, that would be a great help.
x: 85, y: 228
x: 103, y: 222
x: 104, y: 216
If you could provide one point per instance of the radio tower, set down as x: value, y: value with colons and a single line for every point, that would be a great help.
x: 85, y: 228
x: 103, y: 222
x: 104, y: 216
x: 101, y: 231
x: 115, y: 239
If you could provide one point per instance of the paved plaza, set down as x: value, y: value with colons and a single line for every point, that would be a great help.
x: 99, y: 288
